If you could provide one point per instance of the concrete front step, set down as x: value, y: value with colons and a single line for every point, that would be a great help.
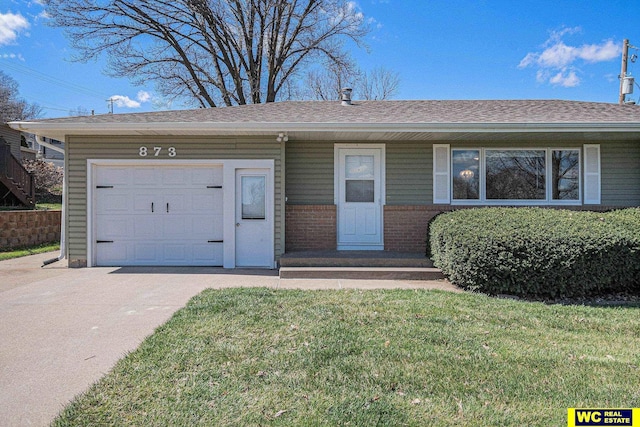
x: 370, y: 273
x: 354, y: 259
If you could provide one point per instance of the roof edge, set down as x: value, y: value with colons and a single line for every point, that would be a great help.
x: 175, y: 128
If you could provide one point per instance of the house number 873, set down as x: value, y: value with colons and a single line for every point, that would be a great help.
x: 155, y: 151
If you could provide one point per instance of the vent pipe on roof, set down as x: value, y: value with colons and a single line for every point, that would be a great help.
x: 346, y: 96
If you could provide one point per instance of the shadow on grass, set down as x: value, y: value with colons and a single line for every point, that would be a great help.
x: 602, y: 301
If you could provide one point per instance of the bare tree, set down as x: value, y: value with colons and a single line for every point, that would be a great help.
x: 11, y: 106
x: 79, y: 111
x: 378, y: 84
x: 326, y: 84
x: 212, y: 52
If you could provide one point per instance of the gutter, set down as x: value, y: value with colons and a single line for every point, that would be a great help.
x: 50, y: 146
x: 59, y: 130
x: 63, y: 238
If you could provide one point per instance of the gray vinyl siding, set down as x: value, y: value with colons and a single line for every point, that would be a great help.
x: 409, y: 168
x: 620, y: 173
x: 309, y: 173
x: 409, y: 177
x: 80, y: 149
x: 12, y: 137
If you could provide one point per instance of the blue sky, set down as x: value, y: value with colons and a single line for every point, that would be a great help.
x: 442, y: 49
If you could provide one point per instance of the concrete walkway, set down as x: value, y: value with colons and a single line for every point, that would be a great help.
x: 62, y: 329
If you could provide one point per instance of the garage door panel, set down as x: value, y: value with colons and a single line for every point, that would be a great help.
x: 144, y: 176
x: 114, y: 227
x: 206, y: 176
x: 133, y: 214
x: 210, y: 201
x: 175, y: 227
x: 145, y: 253
x: 116, y: 176
x: 109, y: 201
x: 144, y: 203
x: 177, y: 203
x: 175, y: 176
x: 175, y: 253
x: 109, y: 254
x: 209, y: 227
x: 209, y: 252
x: 145, y: 228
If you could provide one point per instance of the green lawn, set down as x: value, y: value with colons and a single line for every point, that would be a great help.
x: 49, y: 206
x: 17, y: 253
x: 251, y: 357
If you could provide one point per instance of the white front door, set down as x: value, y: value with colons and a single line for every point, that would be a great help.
x: 359, y: 193
x: 254, y: 218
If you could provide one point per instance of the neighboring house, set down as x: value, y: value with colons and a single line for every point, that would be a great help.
x: 12, y: 138
x: 240, y: 186
x: 17, y: 186
x: 37, y: 145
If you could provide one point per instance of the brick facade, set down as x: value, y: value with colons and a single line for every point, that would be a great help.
x: 28, y: 228
x: 310, y: 227
x: 314, y: 227
x: 405, y: 227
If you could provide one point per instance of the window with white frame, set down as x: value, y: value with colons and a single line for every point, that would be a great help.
x: 491, y: 175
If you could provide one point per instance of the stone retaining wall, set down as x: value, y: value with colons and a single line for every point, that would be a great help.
x: 20, y: 229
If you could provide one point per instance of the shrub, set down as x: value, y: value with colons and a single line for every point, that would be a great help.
x: 535, y: 252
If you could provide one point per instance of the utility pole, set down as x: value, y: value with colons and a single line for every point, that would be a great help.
x: 623, y: 72
x: 110, y: 101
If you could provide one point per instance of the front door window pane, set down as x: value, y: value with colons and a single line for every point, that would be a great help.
x: 359, y: 167
x: 515, y: 174
x: 253, y: 197
x: 359, y: 191
x: 466, y: 174
x: 359, y: 179
x: 565, y: 174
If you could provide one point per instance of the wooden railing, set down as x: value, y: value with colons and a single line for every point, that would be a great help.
x: 13, y: 169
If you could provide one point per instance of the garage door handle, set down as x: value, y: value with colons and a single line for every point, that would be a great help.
x: 151, y: 207
x: 167, y: 207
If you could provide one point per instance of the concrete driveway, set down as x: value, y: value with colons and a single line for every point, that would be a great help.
x: 62, y: 329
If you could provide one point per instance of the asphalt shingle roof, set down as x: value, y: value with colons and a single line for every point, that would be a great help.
x: 395, y: 112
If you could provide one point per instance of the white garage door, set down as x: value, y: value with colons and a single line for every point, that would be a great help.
x: 158, y: 215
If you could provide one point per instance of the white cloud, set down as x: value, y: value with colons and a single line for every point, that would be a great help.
x: 43, y: 15
x: 600, y: 53
x: 12, y: 56
x: 124, y: 101
x: 556, y: 63
x: 565, y: 78
x: 10, y: 26
x: 143, y: 96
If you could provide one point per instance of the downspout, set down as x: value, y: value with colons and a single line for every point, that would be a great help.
x: 63, y: 219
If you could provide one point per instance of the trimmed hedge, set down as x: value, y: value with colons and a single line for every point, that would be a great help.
x: 537, y: 252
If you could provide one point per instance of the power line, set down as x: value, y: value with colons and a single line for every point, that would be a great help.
x: 52, y: 80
